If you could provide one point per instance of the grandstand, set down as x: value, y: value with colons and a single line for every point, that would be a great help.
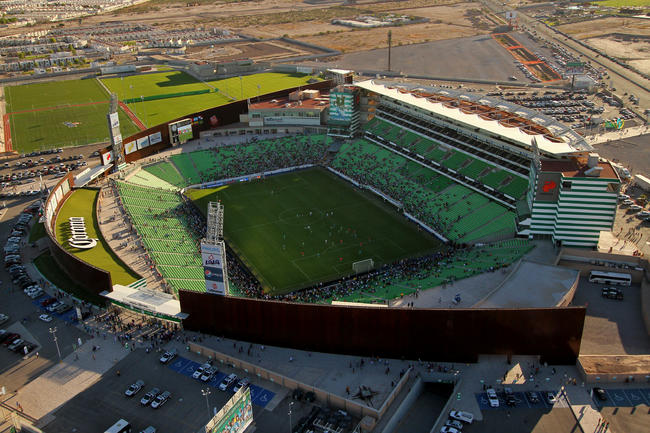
x: 457, y: 212
x: 166, y: 232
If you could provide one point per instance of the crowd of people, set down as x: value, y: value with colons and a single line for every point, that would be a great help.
x: 259, y: 156
x: 386, y: 173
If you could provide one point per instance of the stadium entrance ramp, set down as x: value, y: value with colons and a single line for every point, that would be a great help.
x: 144, y: 301
x: 87, y: 175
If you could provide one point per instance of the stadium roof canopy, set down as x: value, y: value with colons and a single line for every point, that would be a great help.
x: 157, y: 304
x: 493, y: 115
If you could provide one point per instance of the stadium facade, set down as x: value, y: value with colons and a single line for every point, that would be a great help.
x: 509, y: 144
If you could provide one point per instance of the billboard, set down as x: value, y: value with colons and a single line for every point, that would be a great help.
x: 130, y: 147
x: 142, y: 142
x: 114, y: 120
x: 155, y: 138
x: 214, y: 267
x: 184, y: 133
x: 180, y: 132
x: 107, y: 157
x: 343, y: 105
x: 235, y: 416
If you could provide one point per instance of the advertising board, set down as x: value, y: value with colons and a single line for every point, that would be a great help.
x: 142, y: 142
x: 235, y: 416
x: 213, y: 260
x: 155, y: 138
x: 130, y: 147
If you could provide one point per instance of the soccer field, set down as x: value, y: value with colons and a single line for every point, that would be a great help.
x: 221, y: 92
x: 298, y: 229
x: 60, y: 114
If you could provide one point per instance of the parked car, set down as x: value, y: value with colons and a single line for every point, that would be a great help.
x: 10, y: 339
x: 45, y: 318
x: 447, y: 429
x: 551, y: 398
x: 600, y: 393
x: 532, y: 397
x: 3, y: 318
x: 134, y: 388
x: 453, y: 423
x: 150, y: 429
x: 149, y: 397
x: 161, y: 399
x: 208, y: 374
x: 492, y: 397
x: 612, y: 293
x: 16, y: 344
x: 168, y: 356
x: 199, y: 371
x: 242, y: 383
x: 465, y: 417
x: 227, y: 381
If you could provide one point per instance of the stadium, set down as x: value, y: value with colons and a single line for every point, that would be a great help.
x: 324, y: 203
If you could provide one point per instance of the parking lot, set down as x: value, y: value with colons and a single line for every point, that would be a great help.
x: 557, y: 420
x: 523, y: 400
x: 611, y: 326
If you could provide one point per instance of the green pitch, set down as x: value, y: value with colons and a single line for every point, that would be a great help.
x: 299, y: 229
x: 221, y: 92
x: 60, y: 114
x: 83, y: 203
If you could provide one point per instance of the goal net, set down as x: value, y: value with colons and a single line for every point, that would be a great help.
x: 363, y: 266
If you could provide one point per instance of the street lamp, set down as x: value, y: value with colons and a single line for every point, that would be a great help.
x: 53, y: 332
x: 290, y: 423
x: 206, y: 392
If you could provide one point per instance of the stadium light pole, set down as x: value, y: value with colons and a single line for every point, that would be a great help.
x: 56, y: 342
x: 206, y: 392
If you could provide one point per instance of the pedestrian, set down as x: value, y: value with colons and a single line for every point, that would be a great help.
x: 37, y: 355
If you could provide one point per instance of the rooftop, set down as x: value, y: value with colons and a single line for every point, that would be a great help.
x: 285, y: 104
x: 475, y: 110
x: 577, y: 167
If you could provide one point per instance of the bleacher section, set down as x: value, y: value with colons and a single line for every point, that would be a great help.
x: 465, y: 263
x: 457, y: 212
x: 448, y: 156
x: 166, y: 232
x: 145, y: 178
x: 167, y: 172
x: 236, y: 160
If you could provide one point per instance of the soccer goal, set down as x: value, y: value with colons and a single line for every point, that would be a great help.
x: 363, y: 266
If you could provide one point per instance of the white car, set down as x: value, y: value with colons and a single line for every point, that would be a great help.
x: 3, y: 318
x: 168, y: 356
x: 161, y: 399
x: 465, y: 417
x: 455, y: 424
x: 551, y: 398
x: 35, y: 294
x: 227, y: 381
x: 243, y: 383
x: 492, y: 397
x: 623, y: 197
x: 199, y: 371
x: 447, y: 429
x: 134, y: 388
x: 628, y: 202
x: 635, y: 208
x: 643, y: 214
x: 45, y: 318
x: 208, y: 374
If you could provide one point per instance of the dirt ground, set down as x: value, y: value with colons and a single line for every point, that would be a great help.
x: 276, y: 18
x: 636, y: 53
x: 605, y: 26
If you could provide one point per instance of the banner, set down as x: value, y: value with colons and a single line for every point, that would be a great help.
x: 130, y: 147
x: 114, y: 119
x: 142, y: 142
x: 235, y: 416
x: 107, y: 158
x: 213, y: 259
x: 155, y: 138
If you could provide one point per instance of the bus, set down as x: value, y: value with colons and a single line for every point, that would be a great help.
x: 610, y: 278
x: 122, y: 426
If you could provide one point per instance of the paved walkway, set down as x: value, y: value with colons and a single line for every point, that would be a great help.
x: 121, y: 237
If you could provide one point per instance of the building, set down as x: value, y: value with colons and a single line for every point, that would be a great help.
x: 573, y: 200
x: 344, y: 118
x: 306, y: 108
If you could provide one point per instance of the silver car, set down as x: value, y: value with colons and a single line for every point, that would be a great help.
x: 134, y: 388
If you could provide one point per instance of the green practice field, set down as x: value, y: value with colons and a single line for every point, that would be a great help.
x: 83, y: 203
x: 220, y: 92
x: 622, y: 3
x: 298, y: 229
x: 60, y: 114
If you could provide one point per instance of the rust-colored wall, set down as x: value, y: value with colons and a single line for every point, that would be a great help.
x: 430, y: 334
x: 227, y: 114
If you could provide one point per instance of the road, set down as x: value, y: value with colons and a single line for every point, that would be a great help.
x: 623, y: 80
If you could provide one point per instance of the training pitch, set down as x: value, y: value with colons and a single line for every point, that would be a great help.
x: 302, y: 228
x: 60, y: 114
